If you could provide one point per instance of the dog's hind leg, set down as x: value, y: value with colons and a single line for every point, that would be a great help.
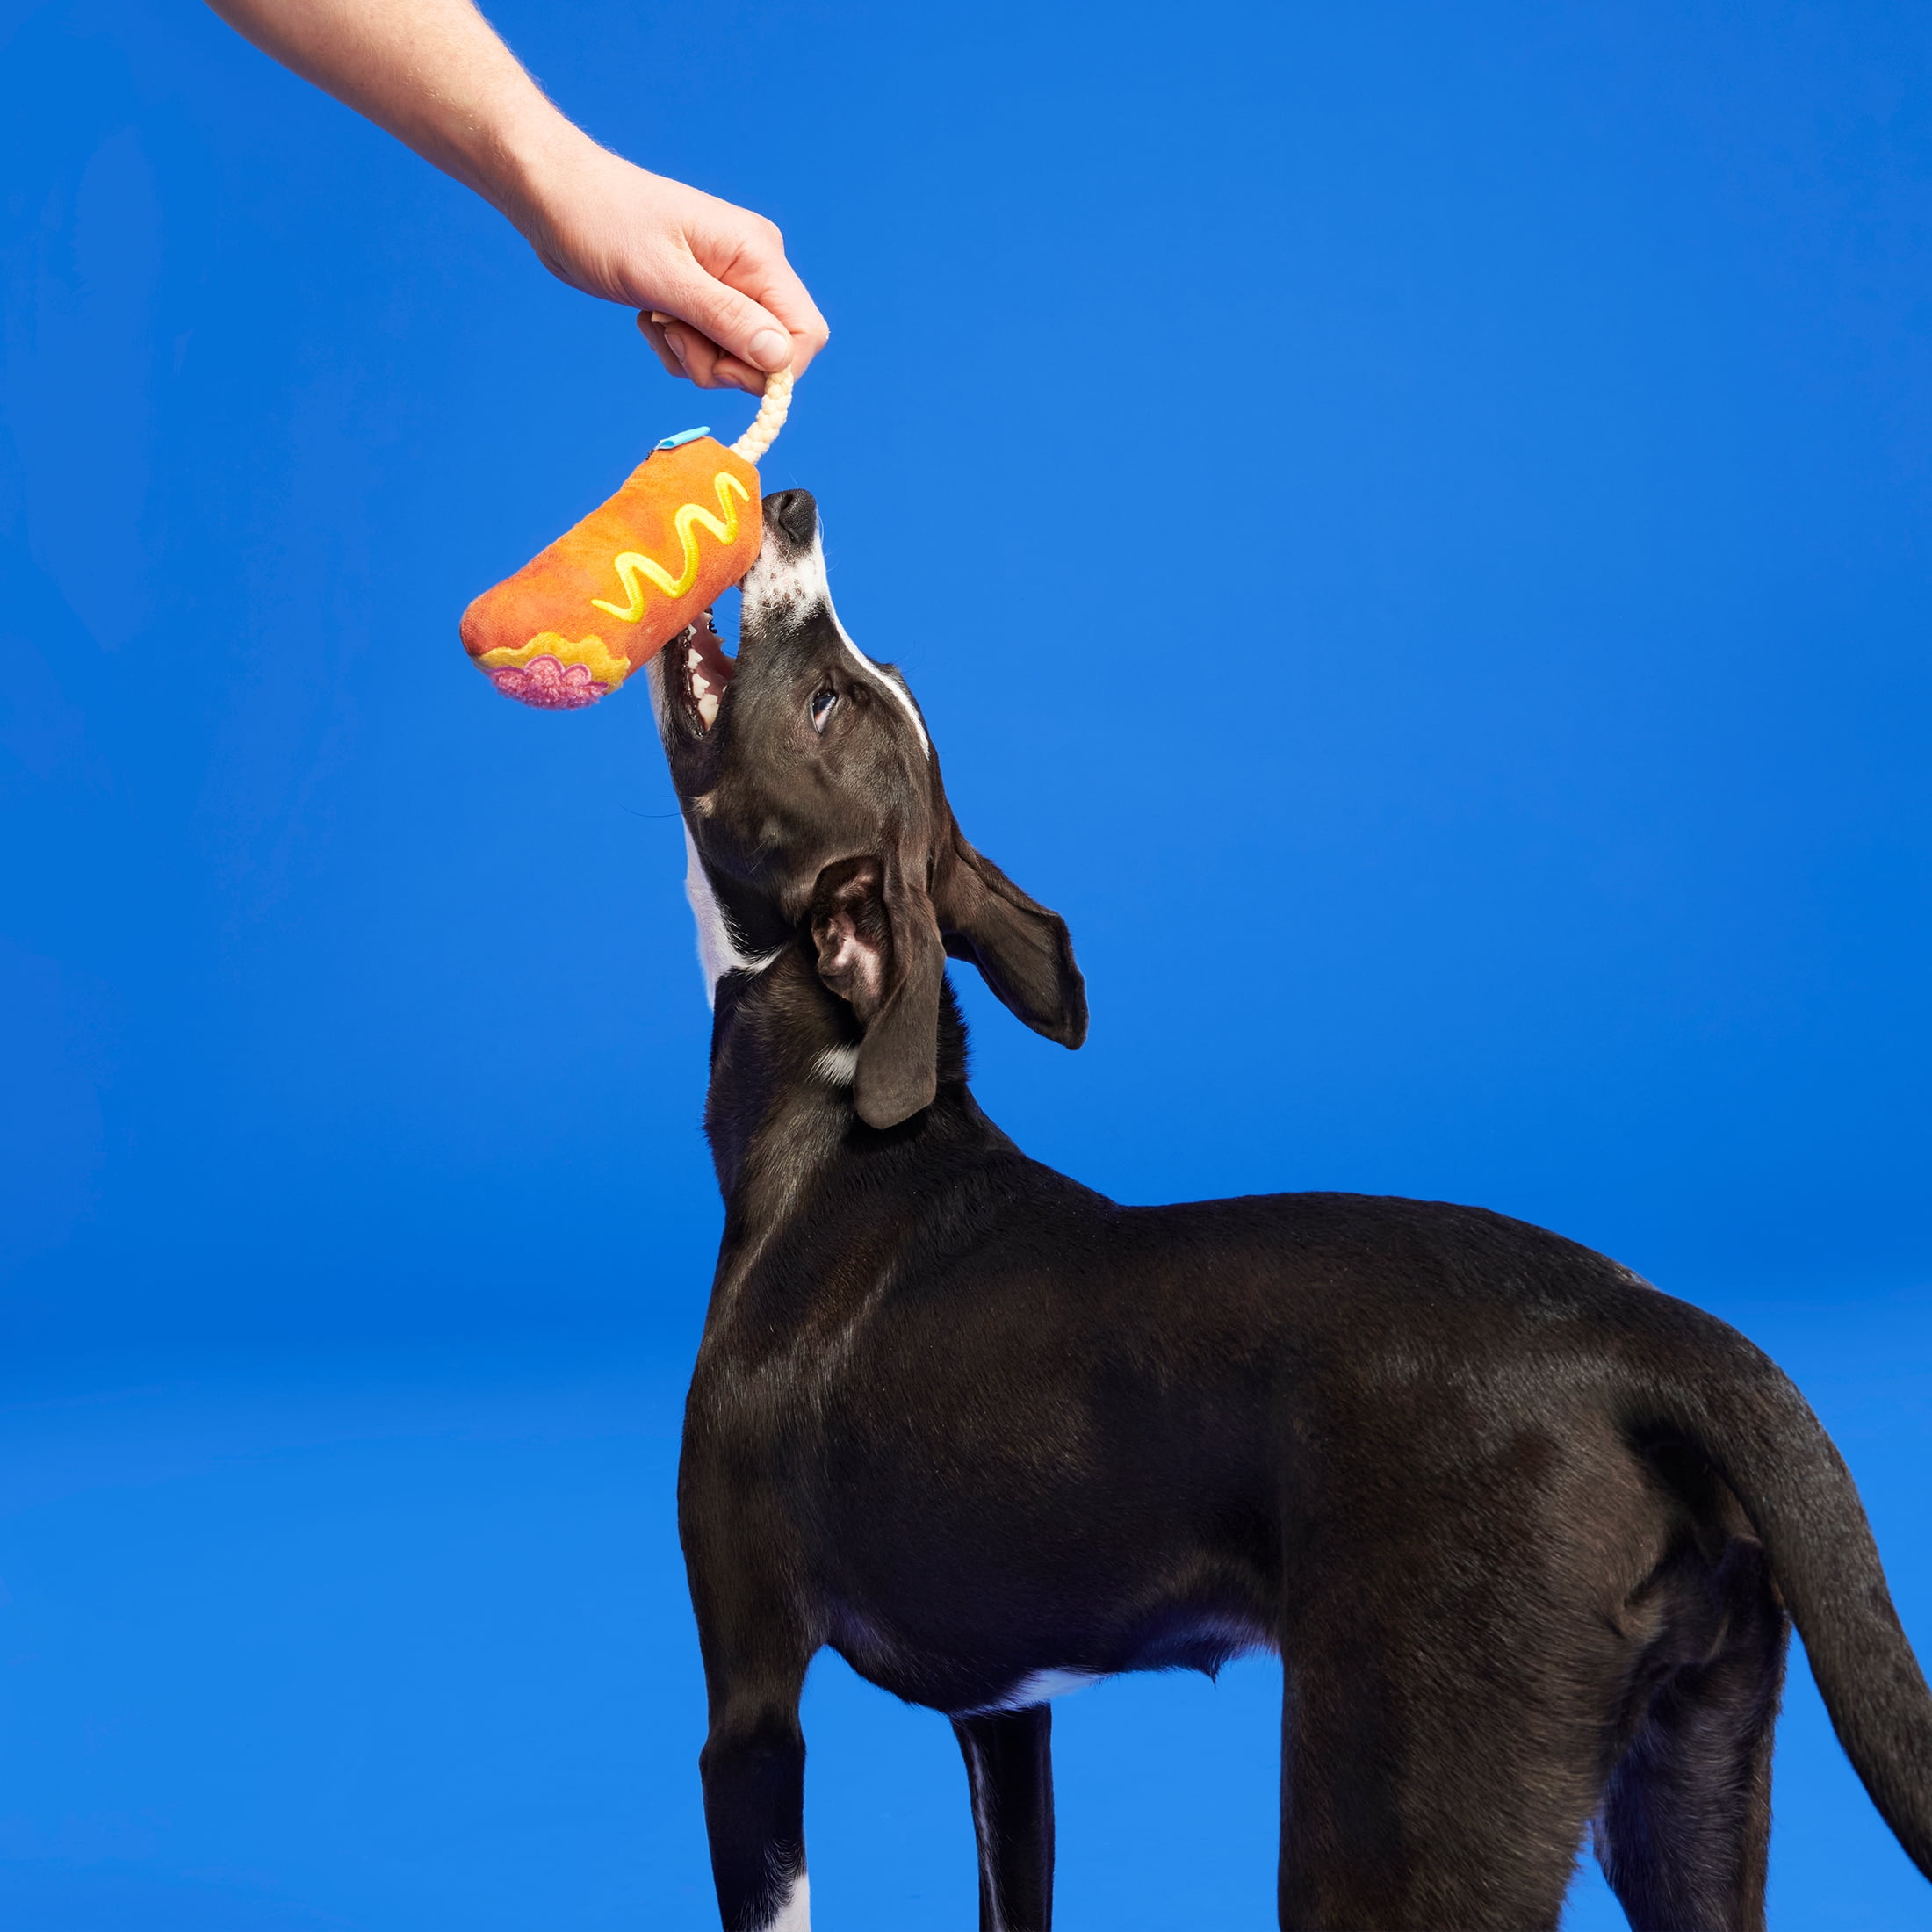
x: 1442, y: 1726
x: 1462, y: 1823
x: 1686, y: 1819
x: 1009, y: 1770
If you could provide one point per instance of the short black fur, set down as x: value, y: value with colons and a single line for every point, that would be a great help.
x: 1524, y: 1531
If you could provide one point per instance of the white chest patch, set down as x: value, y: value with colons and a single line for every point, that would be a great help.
x: 837, y: 1066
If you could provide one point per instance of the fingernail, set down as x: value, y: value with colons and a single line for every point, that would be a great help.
x: 770, y: 349
x: 674, y: 342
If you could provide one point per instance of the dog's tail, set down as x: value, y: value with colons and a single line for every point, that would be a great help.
x: 1740, y: 1410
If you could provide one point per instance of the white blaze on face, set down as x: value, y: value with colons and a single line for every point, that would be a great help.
x: 794, y: 587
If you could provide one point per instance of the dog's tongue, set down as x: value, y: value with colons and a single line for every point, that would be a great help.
x: 709, y: 669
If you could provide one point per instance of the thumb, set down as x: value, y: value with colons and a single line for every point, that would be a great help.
x: 739, y: 326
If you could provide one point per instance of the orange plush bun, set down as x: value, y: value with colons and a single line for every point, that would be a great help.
x: 608, y: 596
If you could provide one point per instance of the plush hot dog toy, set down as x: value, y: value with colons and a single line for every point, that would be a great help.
x: 609, y: 593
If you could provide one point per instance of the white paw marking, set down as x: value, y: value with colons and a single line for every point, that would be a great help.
x: 795, y: 1915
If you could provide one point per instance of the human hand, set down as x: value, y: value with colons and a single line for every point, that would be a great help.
x: 715, y: 297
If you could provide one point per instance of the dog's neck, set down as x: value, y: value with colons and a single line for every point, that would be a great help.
x: 779, y: 1112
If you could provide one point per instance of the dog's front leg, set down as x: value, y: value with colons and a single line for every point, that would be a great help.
x: 753, y: 1768
x: 1009, y: 1769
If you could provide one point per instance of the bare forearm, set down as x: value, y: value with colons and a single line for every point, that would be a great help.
x: 434, y: 73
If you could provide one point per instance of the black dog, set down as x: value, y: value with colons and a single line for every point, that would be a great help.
x: 1524, y: 1531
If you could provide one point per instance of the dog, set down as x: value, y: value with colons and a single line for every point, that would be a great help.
x: 1526, y: 1533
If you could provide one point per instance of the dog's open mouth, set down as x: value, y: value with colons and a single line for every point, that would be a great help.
x: 707, y: 671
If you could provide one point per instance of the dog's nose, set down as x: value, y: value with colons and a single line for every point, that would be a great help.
x: 794, y: 515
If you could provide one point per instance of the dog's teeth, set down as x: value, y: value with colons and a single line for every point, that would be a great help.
x: 693, y: 658
x: 706, y: 709
x: 698, y: 686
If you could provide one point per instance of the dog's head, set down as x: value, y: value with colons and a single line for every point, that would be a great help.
x: 814, y: 806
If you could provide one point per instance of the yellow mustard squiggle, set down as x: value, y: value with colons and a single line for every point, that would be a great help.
x: 634, y: 570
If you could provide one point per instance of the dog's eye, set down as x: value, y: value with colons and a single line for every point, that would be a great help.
x: 822, y: 708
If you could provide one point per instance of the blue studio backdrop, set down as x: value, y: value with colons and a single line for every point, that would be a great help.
x: 1511, y: 788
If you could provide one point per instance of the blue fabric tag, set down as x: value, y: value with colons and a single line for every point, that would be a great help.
x: 684, y: 437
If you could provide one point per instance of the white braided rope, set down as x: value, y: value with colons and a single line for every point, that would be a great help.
x: 769, y: 420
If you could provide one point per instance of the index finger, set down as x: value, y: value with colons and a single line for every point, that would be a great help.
x: 769, y: 279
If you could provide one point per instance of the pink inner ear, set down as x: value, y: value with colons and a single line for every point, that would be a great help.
x: 857, y: 968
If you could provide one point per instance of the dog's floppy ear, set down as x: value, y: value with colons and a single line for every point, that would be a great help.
x: 879, y: 949
x: 1021, y: 950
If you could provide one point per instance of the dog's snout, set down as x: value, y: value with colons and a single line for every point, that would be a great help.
x: 793, y: 517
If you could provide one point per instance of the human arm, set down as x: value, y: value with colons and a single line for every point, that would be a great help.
x: 435, y: 75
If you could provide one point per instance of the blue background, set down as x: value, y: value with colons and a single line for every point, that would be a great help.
x: 1507, y: 782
